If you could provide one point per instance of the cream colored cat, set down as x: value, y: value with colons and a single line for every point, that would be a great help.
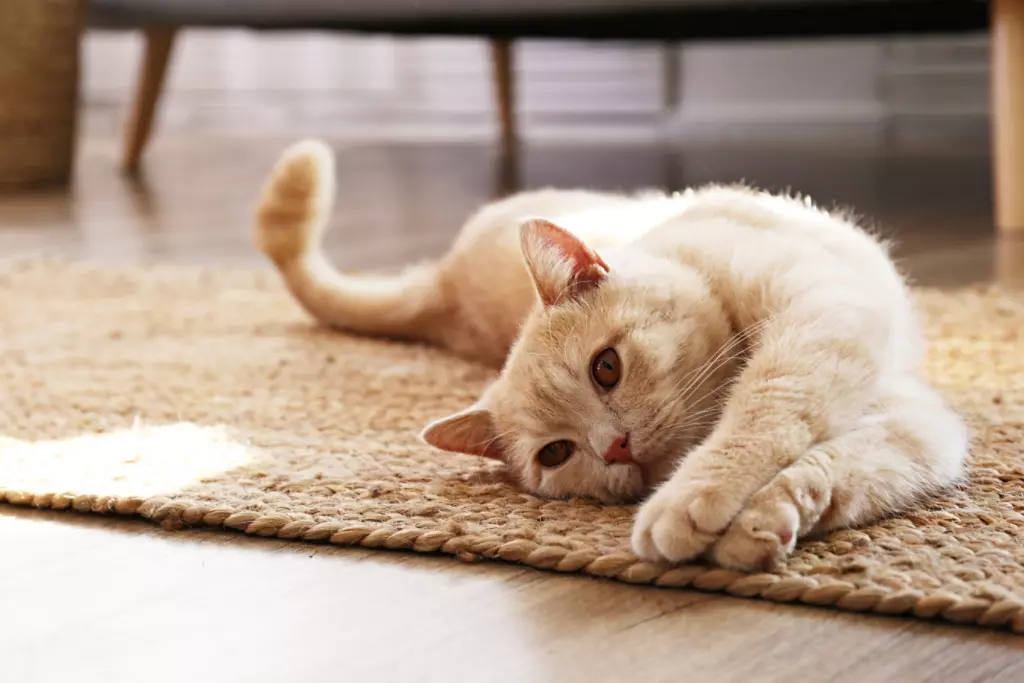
x: 749, y: 358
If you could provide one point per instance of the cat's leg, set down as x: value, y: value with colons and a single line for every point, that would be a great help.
x: 815, y: 369
x: 908, y: 446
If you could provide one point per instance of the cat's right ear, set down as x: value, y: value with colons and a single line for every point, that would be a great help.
x: 469, y: 431
x: 561, y: 265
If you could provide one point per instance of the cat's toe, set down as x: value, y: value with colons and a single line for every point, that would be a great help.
x: 756, y: 541
x: 676, y: 526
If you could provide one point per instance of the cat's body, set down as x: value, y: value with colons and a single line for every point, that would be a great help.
x: 749, y: 356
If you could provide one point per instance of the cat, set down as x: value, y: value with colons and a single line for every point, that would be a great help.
x: 742, y: 364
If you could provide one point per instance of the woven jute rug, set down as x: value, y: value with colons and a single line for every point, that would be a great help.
x: 206, y: 398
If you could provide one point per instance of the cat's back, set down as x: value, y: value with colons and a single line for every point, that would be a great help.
x: 765, y: 250
x: 592, y: 215
x: 748, y: 226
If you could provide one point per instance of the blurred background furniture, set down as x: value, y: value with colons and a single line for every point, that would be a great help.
x: 39, y: 70
x: 648, y: 20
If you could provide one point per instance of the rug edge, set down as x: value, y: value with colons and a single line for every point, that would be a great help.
x: 1004, y: 615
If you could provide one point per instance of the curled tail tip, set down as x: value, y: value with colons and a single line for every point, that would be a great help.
x: 304, y: 174
x: 307, y: 153
x: 296, y: 201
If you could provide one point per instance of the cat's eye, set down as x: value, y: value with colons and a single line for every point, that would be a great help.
x: 606, y: 368
x: 555, y: 453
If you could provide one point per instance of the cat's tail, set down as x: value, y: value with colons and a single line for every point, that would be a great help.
x: 293, y: 211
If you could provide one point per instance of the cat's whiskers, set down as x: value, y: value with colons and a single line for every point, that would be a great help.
x: 699, y: 369
x: 670, y: 435
x: 674, y: 434
x: 674, y: 430
x: 712, y: 363
x: 677, y: 398
x: 717, y: 361
x: 497, y: 438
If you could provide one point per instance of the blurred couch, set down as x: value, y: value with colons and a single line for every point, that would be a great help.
x: 670, y: 21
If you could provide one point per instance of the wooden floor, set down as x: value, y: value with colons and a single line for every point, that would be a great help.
x: 99, y: 599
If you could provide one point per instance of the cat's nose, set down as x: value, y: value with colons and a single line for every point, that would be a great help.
x: 619, y: 451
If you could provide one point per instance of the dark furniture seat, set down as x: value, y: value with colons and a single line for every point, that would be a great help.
x: 664, y: 19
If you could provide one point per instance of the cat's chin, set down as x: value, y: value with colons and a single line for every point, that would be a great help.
x: 626, y: 484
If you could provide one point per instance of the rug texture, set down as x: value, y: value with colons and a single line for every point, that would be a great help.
x: 206, y: 398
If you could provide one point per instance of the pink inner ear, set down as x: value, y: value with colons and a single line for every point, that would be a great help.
x: 470, y: 432
x: 580, y: 254
x: 588, y: 268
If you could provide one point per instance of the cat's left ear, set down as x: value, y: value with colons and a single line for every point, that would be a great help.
x: 469, y: 431
x: 561, y: 265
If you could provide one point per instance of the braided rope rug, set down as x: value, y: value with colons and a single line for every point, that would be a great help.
x: 199, y: 397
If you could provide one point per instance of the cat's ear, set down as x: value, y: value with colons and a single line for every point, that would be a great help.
x: 469, y: 431
x: 561, y: 265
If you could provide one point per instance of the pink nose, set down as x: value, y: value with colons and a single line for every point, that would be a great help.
x: 619, y: 451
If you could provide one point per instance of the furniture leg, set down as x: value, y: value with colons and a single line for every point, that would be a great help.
x: 159, y: 42
x: 502, y: 70
x: 1008, y: 114
x: 671, y: 97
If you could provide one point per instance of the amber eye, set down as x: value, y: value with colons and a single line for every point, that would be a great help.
x: 555, y: 453
x: 606, y: 368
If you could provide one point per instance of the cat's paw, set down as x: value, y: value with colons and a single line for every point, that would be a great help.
x: 765, y: 533
x: 759, y: 539
x: 679, y: 522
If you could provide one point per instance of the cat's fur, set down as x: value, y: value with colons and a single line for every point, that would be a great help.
x: 768, y: 349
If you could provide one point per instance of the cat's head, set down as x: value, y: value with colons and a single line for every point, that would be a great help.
x: 613, y: 377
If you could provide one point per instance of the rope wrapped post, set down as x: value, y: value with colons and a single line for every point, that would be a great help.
x: 39, y: 69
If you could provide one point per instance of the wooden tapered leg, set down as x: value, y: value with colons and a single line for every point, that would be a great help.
x: 156, y: 54
x: 1008, y: 114
x: 672, y: 96
x: 502, y: 70
x: 671, y: 76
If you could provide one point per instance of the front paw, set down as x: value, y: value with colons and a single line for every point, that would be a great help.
x: 765, y: 533
x: 679, y: 522
x: 758, y: 540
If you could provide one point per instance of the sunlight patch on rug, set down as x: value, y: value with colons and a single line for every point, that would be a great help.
x: 137, y: 462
